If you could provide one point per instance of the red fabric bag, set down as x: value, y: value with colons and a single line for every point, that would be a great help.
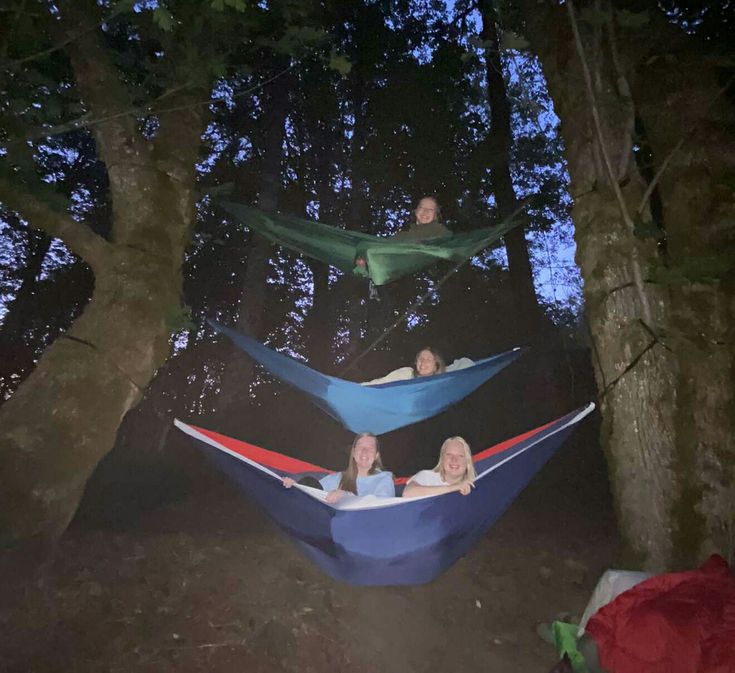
x: 673, y: 623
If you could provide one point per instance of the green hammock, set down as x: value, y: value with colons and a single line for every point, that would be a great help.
x: 386, y: 259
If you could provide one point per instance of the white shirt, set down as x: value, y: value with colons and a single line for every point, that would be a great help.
x: 406, y: 373
x: 427, y: 478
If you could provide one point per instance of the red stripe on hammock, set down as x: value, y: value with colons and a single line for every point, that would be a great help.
x: 508, y: 443
x: 278, y: 461
x: 265, y: 457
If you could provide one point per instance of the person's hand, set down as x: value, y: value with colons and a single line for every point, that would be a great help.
x: 288, y: 482
x: 464, y: 487
x: 360, y: 261
x: 334, y: 496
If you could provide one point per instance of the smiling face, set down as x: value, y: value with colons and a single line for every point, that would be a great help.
x: 364, y: 454
x: 426, y: 364
x: 454, y: 462
x: 426, y: 210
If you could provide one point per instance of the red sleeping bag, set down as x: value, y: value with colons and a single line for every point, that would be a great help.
x: 673, y: 623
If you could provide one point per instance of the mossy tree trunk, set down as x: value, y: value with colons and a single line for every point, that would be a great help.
x: 64, y: 418
x: 663, y: 353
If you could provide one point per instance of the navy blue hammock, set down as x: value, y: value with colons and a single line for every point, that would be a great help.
x: 379, y: 408
x: 386, y: 541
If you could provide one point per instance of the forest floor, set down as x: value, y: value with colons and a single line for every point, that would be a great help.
x: 207, y: 583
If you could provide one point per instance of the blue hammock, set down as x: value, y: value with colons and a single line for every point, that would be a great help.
x: 380, y: 408
x: 386, y: 541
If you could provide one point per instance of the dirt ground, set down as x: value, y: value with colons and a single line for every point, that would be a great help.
x: 207, y: 583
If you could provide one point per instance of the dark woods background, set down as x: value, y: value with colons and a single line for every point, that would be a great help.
x: 345, y: 112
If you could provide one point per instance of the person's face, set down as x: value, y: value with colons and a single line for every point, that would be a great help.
x: 365, y: 452
x: 426, y: 211
x: 425, y: 363
x: 454, y: 462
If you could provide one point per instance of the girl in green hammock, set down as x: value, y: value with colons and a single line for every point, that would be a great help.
x: 427, y: 224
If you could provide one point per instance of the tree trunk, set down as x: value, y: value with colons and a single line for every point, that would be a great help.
x: 664, y: 366
x: 239, y: 368
x: 64, y: 418
x: 636, y: 374
x: 318, y: 330
x: 351, y: 287
x: 497, y: 152
x: 688, y: 125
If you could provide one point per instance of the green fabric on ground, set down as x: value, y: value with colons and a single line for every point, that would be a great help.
x: 565, y: 639
x: 387, y: 260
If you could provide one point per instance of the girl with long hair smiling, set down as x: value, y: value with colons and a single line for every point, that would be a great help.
x: 364, y: 474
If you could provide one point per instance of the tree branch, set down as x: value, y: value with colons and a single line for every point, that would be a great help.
x: 150, y: 108
x: 69, y: 39
x: 80, y: 239
x: 100, y: 85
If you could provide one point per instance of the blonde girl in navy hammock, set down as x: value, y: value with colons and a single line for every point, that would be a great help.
x: 455, y: 471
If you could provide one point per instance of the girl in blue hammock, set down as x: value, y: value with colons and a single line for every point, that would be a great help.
x: 364, y: 474
x: 428, y: 362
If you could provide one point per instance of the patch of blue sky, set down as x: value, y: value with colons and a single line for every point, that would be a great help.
x: 477, y: 119
x: 348, y: 124
x: 291, y: 175
x: 81, y: 203
x: 12, y: 257
x: 493, y: 258
x: 4, y: 299
x: 312, y: 209
x: 149, y: 126
x: 342, y: 182
x: 12, y: 250
x: 44, y: 151
x: 223, y: 92
x: 244, y: 152
x: 392, y: 221
x: 556, y: 276
x: 145, y: 5
x: 58, y: 255
x: 180, y: 341
x: 423, y: 53
x: 557, y: 279
x: 216, y: 139
x: 472, y: 18
x: 341, y: 338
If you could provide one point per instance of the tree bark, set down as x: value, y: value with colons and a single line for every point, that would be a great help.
x: 64, y: 418
x: 635, y: 373
x: 688, y: 125
x: 666, y: 380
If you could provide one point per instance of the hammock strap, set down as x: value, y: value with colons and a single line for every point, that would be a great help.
x: 404, y: 316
